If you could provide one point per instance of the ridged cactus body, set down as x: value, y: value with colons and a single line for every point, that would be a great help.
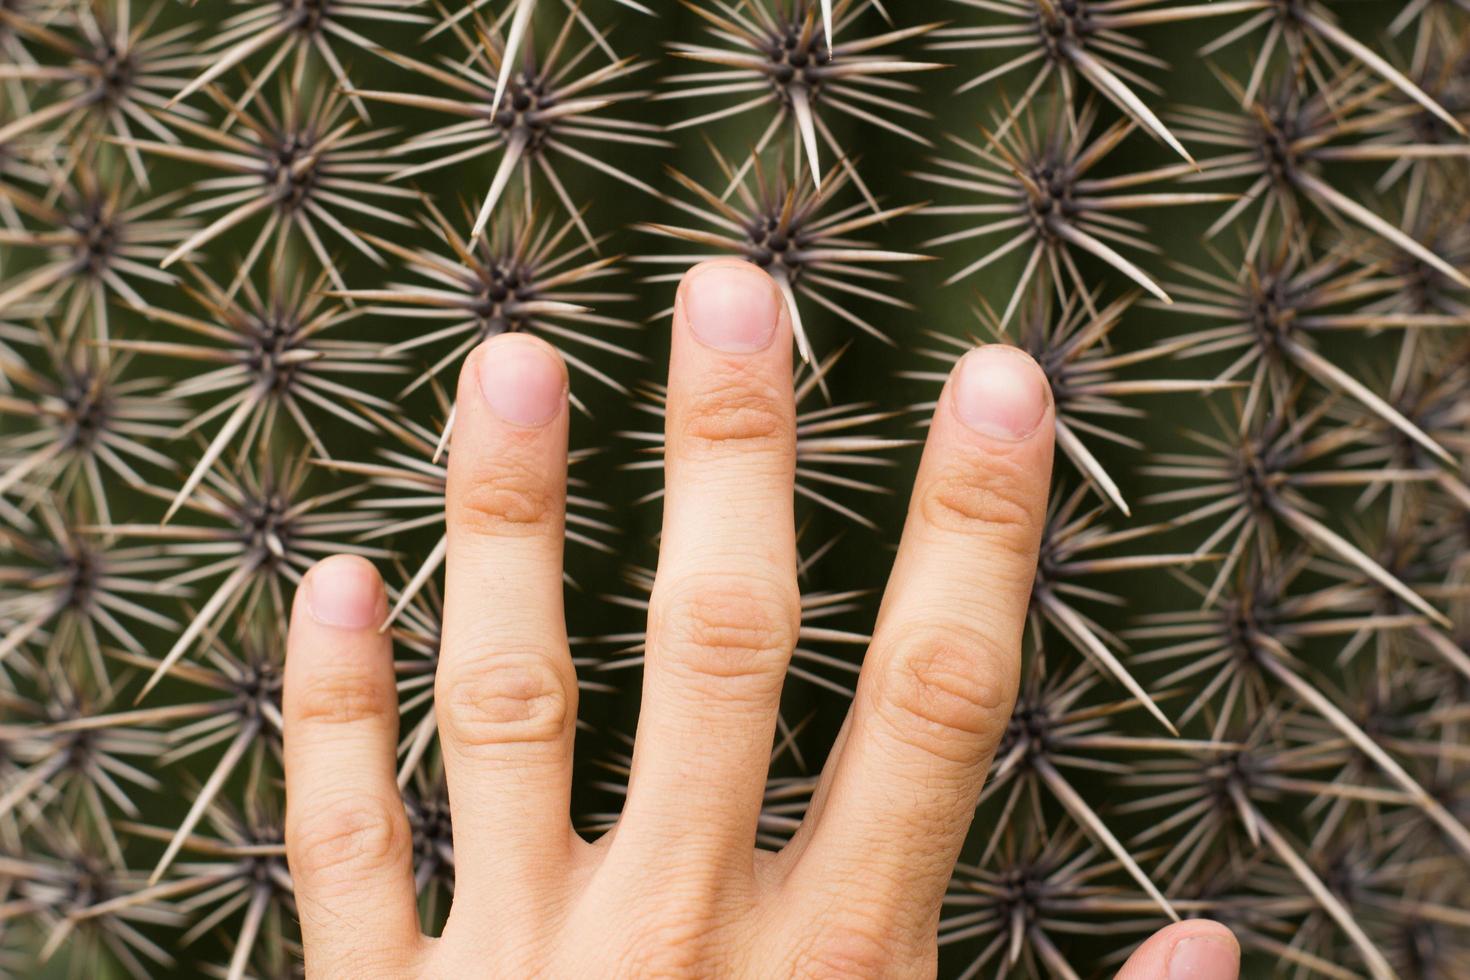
x: 245, y: 248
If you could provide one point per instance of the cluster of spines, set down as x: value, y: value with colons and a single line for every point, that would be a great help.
x: 1302, y: 773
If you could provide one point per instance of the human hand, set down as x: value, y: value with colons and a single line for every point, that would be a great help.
x: 678, y: 888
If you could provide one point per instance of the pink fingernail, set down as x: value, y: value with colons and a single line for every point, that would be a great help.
x: 1204, y: 958
x: 523, y: 382
x: 342, y: 591
x: 1001, y: 392
x: 731, y: 308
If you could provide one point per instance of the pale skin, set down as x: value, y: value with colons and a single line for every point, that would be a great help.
x: 679, y: 888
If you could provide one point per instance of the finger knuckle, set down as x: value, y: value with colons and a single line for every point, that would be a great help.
x: 504, y: 699
x: 673, y: 947
x: 996, y: 503
x: 948, y: 692
x: 509, y: 499
x: 342, y: 698
x: 332, y: 838
x: 728, y: 629
x: 373, y: 966
x: 848, y: 950
x: 742, y: 413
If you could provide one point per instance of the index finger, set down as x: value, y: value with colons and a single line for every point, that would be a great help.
x: 939, y: 680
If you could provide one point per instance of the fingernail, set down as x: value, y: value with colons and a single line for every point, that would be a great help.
x: 523, y: 383
x: 1204, y: 958
x: 343, y: 592
x: 731, y: 308
x: 1001, y: 393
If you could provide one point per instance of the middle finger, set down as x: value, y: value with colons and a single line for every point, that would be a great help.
x: 725, y: 608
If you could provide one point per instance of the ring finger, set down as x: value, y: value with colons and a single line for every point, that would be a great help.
x: 505, y: 690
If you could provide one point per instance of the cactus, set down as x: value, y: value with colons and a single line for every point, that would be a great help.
x: 243, y: 253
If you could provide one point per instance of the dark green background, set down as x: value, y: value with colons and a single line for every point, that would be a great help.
x: 870, y: 372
